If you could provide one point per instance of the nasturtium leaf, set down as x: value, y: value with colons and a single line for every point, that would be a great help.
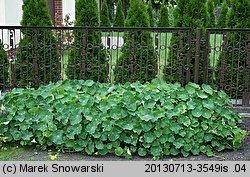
x: 195, y: 151
x: 149, y: 137
x: 175, y: 127
x: 52, y: 126
x: 57, y: 137
x: 119, y: 151
x: 99, y: 145
x: 26, y: 135
x: 204, y: 126
x: 91, y: 127
x: 16, y: 135
x: 178, y: 143
x: 142, y: 152
x: 197, y: 112
x: 145, y: 114
x: 183, y: 96
x: 201, y: 94
x: 206, y: 113
x: 208, y: 137
x: 42, y: 126
x: 191, y: 104
x: 89, y: 83
x: 223, y: 95
x: 174, y: 151
x: 207, y: 88
x: 184, y: 153
x: 166, y: 151
x: 168, y: 104
x: 156, y: 151
x: 70, y: 143
x: 90, y: 148
x: 209, y: 104
x: 187, y: 147
x: 75, y: 119
x: 184, y: 120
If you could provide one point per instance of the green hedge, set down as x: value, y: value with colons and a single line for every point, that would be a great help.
x: 4, y: 64
x: 98, y: 118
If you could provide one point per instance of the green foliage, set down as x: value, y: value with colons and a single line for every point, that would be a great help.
x: 238, y: 16
x: 119, y: 16
x: 232, y: 59
x: 37, y: 60
x: 170, y: 14
x: 223, y: 16
x: 4, y: 64
x: 137, y: 62
x: 211, y: 14
x: 88, y: 57
x: 150, y: 14
x: 104, y: 18
x: 98, y: 118
x: 163, y: 20
x: 192, y: 14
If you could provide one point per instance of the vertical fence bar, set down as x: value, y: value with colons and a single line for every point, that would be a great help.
x: 181, y: 58
x: 197, y: 55
x: 189, y: 54
x: 83, y: 57
x: 206, y: 52
x: 35, y: 60
x: 132, y: 52
x: 246, y: 92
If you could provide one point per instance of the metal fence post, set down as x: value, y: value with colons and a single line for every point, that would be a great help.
x: 246, y: 92
x: 197, y: 55
x: 206, y: 53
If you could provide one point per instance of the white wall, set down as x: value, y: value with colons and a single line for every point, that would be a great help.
x: 13, y: 12
x: 69, y: 8
x: 2, y: 12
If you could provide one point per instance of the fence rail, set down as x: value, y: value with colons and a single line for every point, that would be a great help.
x: 33, y: 56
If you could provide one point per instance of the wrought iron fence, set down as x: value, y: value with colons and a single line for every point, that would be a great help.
x: 34, y: 56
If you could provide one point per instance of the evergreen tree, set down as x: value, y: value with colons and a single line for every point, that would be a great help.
x: 119, y: 16
x: 88, y: 57
x: 138, y: 61
x: 170, y: 14
x: 234, y: 54
x: 151, y: 14
x: 163, y: 20
x: 192, y: 14
x: 4, y: 64
x: 211, y: 14
x: 223, y: 16
x: 104, y: 18
x: 37, y: 61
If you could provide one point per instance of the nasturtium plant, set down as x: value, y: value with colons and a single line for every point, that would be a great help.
x: 128, y: 119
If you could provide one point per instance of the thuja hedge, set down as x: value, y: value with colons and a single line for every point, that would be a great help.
x: 154, y: 118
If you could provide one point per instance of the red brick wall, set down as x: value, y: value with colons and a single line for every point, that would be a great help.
x: 58, y: 12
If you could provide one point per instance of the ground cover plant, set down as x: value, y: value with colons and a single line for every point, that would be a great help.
x: 154, y: 118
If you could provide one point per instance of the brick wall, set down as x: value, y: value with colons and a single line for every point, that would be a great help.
x: 58, y: 12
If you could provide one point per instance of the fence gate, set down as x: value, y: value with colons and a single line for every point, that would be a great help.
x: 227, y: 63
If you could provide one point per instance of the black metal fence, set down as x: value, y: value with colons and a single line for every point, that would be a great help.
x: 34, y: 56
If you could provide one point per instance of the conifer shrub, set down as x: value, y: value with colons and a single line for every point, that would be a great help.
x: 163, y: 20
x: 87, y: 59
x: 150, y: 14
x: 222, y: 21
x: 104, y: 18
x: 119, y: 16
x: 211, y: 14
x: 37, y: 61
x: 4, y: 64
x: 190, y: 14
x: 138, y: 61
